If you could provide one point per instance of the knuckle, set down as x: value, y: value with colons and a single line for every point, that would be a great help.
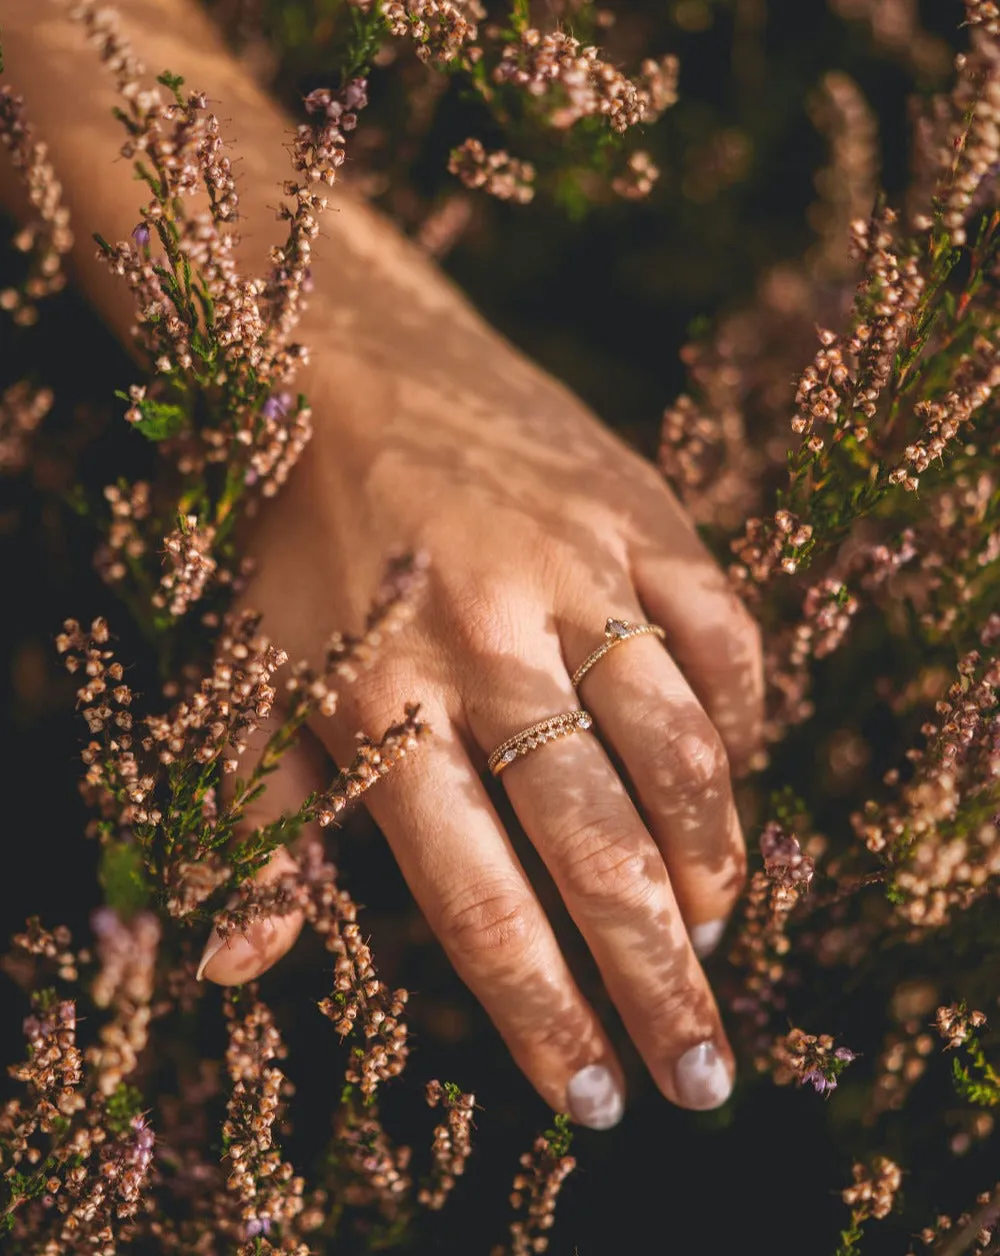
x: 677, y: 1007
x: 558, y: 1032
x: 606, y: 870
x: 694, y: 771
x: 488, y: 922
x: 377, y: 695
x: 480, y: 619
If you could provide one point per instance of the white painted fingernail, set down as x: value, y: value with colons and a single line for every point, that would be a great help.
x: 594, y: 1098
x: 706, y: 937
x: 212, y: 947
x: 703, y: 1080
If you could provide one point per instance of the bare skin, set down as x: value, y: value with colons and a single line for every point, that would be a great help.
x: 433, y: 432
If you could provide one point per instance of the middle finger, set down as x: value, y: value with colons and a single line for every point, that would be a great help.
x: 609, y: 871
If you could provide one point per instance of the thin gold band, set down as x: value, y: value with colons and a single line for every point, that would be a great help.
x: 615, y: 632
x: 535, y: 735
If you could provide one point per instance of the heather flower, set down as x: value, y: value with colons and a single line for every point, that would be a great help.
x: 443, y: 31
x: 497, y: 173
x: 536, y: 1190
x: 936, y: 865
x: 124, y: 542
x: 373, y: 1172
x: 638, y: 179
x: 125, y: 982
x: 789, y: 869
x: 190, y: 565
x: 983, y: 13
x: 452, y: 1142
x: 874, y: 1191
x: 956, y: 1024
x: 266, y: 1186
x: 848, y: 184
x: 659, y: 79
x: 318, y: 152
x: 48, y: 237
x: 972, y: 133
x: 22, y: 409
x: 573, y: 82
x: 809, y: 1060
x: 901, y: 1064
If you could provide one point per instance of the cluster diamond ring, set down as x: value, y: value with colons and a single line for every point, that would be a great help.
x: 536, y: 735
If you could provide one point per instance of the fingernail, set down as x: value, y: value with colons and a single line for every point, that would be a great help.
x: 594, y: 1098
x: 212, y: 947
x: 706, y: 937
x: 703, y: 1080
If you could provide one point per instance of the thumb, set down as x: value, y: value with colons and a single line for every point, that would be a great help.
x: 241, y: 957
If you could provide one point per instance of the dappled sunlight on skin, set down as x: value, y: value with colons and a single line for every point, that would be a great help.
x: 616, y: 887
x: 677, y: 763
x: 513, y: 584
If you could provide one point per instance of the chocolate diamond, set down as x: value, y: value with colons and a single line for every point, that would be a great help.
x: 616, y: 628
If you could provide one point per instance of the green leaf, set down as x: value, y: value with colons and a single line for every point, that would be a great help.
x: 560, y: 1136
x: 160, y: 419
x: 172, y: 82
x: 124, y: 1103
x: 121, y: 875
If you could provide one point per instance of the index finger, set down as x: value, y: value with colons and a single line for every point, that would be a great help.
x: 710, y: 633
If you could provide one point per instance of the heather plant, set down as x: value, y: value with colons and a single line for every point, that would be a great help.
x: 859, y: 514
x: 548, y: 93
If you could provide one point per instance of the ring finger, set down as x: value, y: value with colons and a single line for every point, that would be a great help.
x: 671, y: 751
x: 458, y: 861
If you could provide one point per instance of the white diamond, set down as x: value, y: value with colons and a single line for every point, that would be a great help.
x: 508, y: 756
x: 584, y: 721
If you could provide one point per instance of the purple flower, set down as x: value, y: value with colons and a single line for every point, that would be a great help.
x: 276, y: 406
x: 845, y: 1054
x: 257, y: 1226
x: 355, y: 94
x: 144, y: 1137
x: 819, y: 1081
x: 104, y: 922
x: 141, y: 235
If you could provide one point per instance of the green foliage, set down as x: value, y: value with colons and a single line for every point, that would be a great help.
x: 122, y: 874
x: 560, y: 1135
x: 160, y: 420
x: 976, y: 1081
x: 850, y: 1240
x: 123, y: 1105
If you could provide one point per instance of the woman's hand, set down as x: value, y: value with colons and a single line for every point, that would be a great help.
x: 431, y: 432
x: 540, y: 524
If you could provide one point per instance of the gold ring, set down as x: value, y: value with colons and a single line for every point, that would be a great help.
x: 535, y: 735
x: 615, y: 632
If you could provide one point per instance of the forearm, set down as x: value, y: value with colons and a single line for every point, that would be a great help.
x: 376, y: 298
